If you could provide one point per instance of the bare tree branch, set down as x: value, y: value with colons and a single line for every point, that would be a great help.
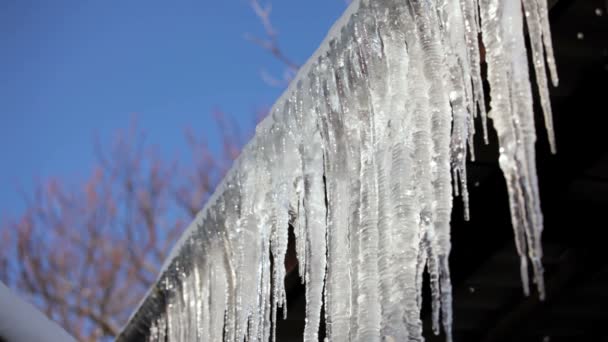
x: 270, y: 43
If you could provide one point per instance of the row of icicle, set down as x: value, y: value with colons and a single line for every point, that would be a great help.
x: 361, y: 157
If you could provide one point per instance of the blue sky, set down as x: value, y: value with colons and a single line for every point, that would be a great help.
x: 75, y: 69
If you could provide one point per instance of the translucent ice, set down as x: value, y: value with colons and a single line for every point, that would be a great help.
x: 361, y: 156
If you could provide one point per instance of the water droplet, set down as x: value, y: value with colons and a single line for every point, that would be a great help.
x: 599, y: 12
x: 580, y: 35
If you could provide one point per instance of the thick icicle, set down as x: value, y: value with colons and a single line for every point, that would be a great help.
x: 338, y: 284
x: 314, y: 211
x: 511, y: 100
x: 361, y: 157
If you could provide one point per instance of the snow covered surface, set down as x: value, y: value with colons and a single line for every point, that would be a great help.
x: 362, y: 156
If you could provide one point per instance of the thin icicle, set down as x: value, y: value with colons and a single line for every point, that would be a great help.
x: 470, y: 13
x: 535, y: 21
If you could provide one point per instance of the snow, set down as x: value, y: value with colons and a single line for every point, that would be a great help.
x: 362, y: 156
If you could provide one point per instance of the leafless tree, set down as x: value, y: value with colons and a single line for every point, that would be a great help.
x: 86, y: 255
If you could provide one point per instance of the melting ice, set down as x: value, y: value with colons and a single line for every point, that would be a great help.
x: 362, y: 156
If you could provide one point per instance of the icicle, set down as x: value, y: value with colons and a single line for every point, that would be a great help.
x: 535, y: 19
x: 470, y: 13
x: 338, y: 283
x: 463, y: 98
x: 315, y: 215
x: 368, y: 298
x: 511, y: 99
x: 421, y: 144
x: 362, y: 156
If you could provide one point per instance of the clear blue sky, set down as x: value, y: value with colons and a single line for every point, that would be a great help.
x: 74, y: 69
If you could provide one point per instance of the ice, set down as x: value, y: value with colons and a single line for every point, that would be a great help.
x: 537, y: 22
x: 361, y: 157
x: 511, y: 100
